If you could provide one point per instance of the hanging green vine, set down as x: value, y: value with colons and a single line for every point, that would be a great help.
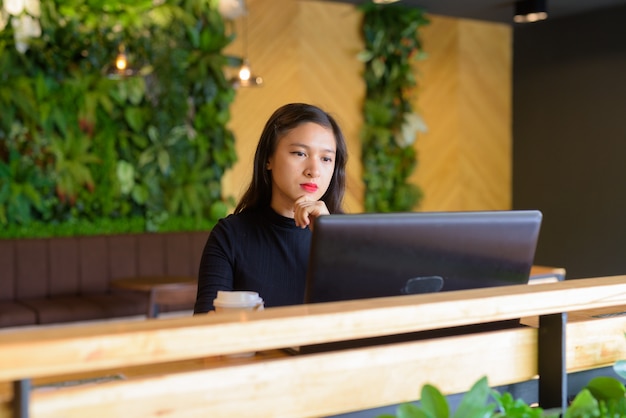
x: 392, y: 44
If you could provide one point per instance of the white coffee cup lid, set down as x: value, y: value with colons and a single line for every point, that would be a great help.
x: 237, y: 298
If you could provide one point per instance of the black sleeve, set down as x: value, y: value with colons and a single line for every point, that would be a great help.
x: 216, y: 268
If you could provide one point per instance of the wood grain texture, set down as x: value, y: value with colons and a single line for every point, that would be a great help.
x: 168, y: 376
x: 438, y: 150
x: 308, y: 386
x: 306, y: 51
x: 332, y: 383
x: 465, y: 99
x: 103, y: 346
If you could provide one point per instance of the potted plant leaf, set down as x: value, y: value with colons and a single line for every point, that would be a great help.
x: 602, y: 397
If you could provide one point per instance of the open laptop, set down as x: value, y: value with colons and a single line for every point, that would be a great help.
x: 369, y: 255
x: 357, y: 256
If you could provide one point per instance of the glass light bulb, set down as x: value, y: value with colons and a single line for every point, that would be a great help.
x: 244, y: 72
x: 121, y: 62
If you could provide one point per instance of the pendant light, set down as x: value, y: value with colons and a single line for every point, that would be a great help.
x: 245, y: 77
x: 121, y: 66
x: 527, y: 11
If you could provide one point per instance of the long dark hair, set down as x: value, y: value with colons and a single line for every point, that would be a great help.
x: 284, y: 119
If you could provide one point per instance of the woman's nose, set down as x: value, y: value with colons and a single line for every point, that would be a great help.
x: 312, y: 170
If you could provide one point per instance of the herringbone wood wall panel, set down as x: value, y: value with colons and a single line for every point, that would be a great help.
x: 486, y: 114
x: 306, y: 51
x: 438, y: 171
x: 328, y: 69
x: 465, y: 99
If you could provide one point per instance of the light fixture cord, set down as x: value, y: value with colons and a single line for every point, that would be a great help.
x: 245, y: 32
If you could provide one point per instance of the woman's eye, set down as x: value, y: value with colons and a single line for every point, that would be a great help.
x: 327, y: 159
x: 299, y: 153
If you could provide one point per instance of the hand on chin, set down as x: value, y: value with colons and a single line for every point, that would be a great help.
x: 306, y: 210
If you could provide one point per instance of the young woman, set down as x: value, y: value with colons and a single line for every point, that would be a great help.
x: 299, y: 174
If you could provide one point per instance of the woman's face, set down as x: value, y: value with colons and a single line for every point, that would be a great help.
x: 302, y: 165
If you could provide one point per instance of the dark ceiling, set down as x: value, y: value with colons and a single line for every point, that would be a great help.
x: 502, y: 10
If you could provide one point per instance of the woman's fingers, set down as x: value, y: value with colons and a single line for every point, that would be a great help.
x: 305, y: 211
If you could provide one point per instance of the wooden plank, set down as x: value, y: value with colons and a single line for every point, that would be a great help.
x: 142, y: 371
x: 484, y: 90
x: 6, y: 411
x: 465, y: 99
x: 104, y: 346
x: 594, y: 343
x: 307, y: 386
x: 591, y: 344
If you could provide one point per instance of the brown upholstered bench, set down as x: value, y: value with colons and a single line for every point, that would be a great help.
x: 57, y: 280
x: 15, y: 314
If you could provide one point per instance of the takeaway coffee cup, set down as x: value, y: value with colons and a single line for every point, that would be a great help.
x: 237, y: 301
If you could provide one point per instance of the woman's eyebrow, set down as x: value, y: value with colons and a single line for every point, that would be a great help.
x: 298, y: 144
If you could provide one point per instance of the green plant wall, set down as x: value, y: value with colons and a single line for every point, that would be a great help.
x: 85, y: 149
x: 391, y: 34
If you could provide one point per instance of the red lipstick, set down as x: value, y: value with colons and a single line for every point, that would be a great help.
x: 309, y: 187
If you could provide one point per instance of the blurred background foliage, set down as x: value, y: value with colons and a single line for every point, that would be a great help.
x: 86, y: 149
x: 391, y: 34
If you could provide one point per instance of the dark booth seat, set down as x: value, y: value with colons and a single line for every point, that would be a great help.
x: 61, y: 309
x: 15, y: 314
x: 118, y: 304
x: 67, y: 279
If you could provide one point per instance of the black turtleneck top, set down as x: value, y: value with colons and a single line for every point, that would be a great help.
x: 260, y: 251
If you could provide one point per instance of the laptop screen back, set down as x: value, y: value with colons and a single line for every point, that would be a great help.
x: 356, y: 256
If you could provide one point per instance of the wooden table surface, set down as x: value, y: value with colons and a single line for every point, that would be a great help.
x: 162, y: 290
x: 147, y: 283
